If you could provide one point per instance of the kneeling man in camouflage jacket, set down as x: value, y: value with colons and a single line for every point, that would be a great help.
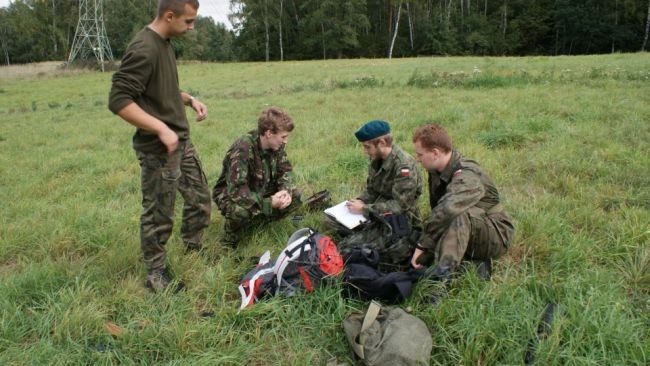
x: 255, y: 182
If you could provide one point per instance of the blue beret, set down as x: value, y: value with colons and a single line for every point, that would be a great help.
x: 372, y: 130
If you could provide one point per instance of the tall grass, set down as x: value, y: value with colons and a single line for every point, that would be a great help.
x: 566, y: 139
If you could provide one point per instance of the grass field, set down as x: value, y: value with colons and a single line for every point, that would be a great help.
x: 567, y: 140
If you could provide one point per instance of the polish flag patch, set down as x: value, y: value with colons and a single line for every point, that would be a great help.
x: 457, y: 172
x: 405, y: 172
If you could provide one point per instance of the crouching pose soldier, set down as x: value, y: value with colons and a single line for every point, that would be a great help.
x: 389, y: 201
x: 467, y: 220
x: 255, y: 182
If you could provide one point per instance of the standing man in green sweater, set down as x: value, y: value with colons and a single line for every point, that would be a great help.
x: 146, y: 94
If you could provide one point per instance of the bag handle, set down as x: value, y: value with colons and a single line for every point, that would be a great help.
x: 368, y: 319
x: 371, y: 315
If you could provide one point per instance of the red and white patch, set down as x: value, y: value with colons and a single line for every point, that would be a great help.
x: 458, y: 172
x: 405, y: 172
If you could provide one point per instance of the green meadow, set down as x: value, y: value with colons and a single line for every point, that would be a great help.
x: 566, y: 139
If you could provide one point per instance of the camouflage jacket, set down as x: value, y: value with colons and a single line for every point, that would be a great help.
x: 461, y: 185
x: 394, y: 185
x: 251, y: 175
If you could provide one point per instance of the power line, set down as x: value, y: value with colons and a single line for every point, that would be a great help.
x: 90, y: 36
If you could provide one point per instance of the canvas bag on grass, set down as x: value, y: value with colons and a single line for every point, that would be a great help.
x: 388, y: 336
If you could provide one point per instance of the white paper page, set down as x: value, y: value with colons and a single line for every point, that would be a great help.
x: 341, y: 213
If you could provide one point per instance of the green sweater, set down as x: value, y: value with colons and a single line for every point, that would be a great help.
x: 148, y: 77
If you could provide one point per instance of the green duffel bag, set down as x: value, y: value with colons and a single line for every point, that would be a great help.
x: 388, y: 336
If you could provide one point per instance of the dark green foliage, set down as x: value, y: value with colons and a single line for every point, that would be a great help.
x: 124, y: 18
x: 333, y: 27
x: 209, y: 42
x: 34, y: 30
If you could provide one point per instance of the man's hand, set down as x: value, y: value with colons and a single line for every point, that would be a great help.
x: 200, y: 108
x: 281, y: 200
x: 355, y: 206
x: 414, y: 259
x: 170, y: 139
x: 133, y: 114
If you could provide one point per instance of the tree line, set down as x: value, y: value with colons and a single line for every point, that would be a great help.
x: 43, y: 30
x: 40, y: 30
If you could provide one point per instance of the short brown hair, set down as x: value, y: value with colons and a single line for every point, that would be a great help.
x: 176, y: 6
x: 388, y: 139
x: 433, y: 136
x: 274, y: 119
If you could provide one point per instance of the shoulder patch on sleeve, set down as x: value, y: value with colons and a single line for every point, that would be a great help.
x: 405, y: 171
x: 458, y: 172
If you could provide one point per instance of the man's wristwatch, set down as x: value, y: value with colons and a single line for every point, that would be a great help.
x: 191, y: 100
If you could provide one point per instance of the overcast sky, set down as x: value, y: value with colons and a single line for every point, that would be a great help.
x: 217, y: 9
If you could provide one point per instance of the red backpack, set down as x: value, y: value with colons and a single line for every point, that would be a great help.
x: 308, y: 259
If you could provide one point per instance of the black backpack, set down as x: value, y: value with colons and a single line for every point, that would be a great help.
x: 363, y: 280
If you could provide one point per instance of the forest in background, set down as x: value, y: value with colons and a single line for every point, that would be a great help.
x: 272, y: 30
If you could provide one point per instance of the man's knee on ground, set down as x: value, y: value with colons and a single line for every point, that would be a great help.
x: 237, y: 217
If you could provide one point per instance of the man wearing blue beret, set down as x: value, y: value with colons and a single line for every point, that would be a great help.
x: 389, y: 201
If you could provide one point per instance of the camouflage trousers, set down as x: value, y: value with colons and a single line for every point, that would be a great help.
x: 238, y: 219
x: 473, y: 235
x: 163, y: 175
x: 377, y: 235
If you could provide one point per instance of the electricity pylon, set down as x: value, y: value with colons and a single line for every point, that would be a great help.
x: 91, y: 34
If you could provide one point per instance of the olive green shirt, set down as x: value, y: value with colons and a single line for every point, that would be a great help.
x: 461, y: 185
x: 148, y: 77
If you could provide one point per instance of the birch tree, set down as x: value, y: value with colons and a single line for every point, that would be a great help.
x: 395, y: 30
x: 53, y: 31
x: 408, y: 14
x: 335, y: 24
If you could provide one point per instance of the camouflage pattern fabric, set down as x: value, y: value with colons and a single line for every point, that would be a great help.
x: 467, y: 220
x: 162, y: 176
x: 393, y: 186
x: 249, y: 177
x: 238, y: 221
x: 376, y: 235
